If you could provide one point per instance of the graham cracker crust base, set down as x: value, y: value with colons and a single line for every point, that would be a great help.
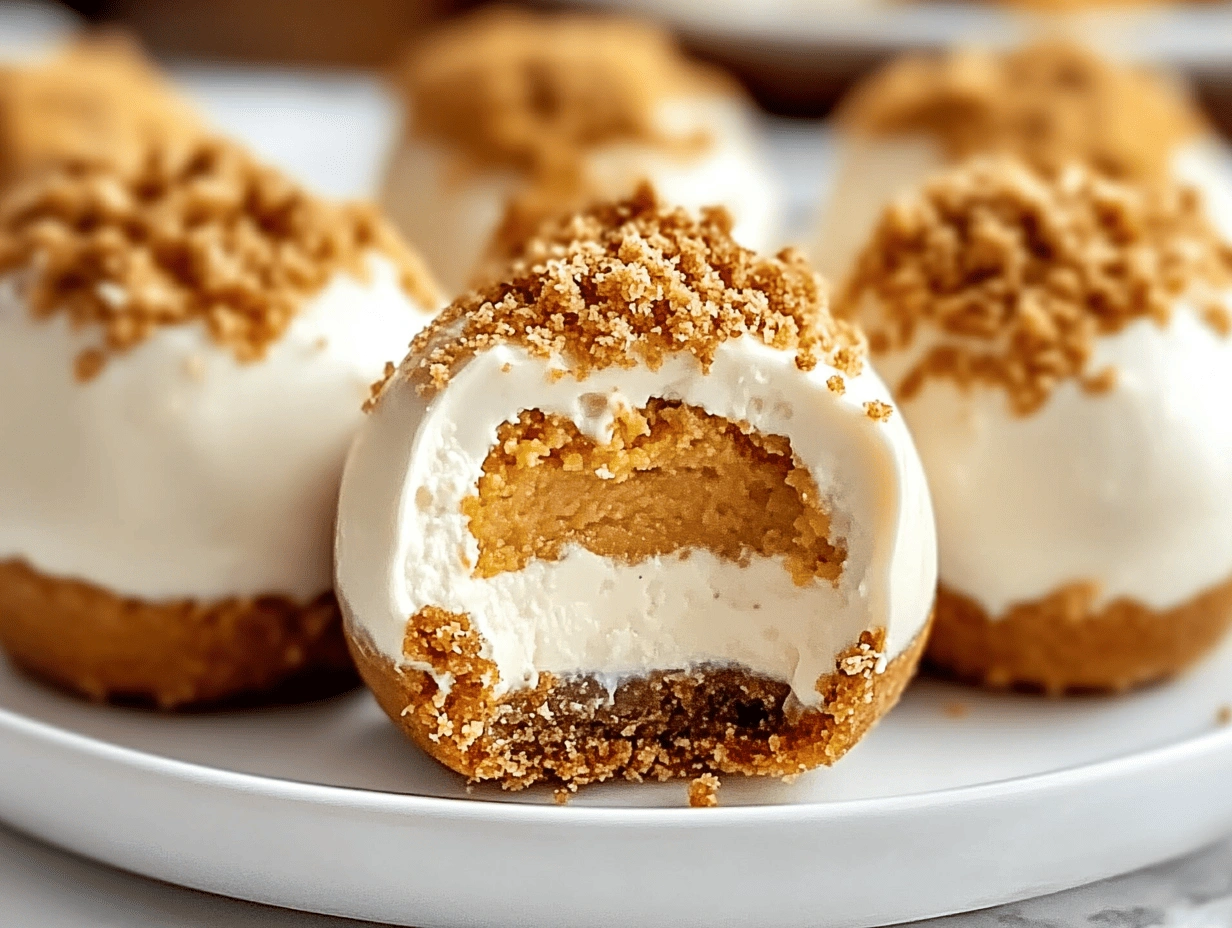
x: 170, y: 654
x: 1062, y: 644
x: 660, y: 726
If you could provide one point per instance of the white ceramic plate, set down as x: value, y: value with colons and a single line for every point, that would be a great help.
x: 1183, y: 34
x: 958, y: 800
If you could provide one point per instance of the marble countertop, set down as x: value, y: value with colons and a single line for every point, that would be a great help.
x: 41, y: 887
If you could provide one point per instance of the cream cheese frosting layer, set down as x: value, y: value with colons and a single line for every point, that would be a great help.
x: 178, y: 471
x: 404, y: 544
x: 872, y: 171
x: 451, y: 212
x: 1128, y: 488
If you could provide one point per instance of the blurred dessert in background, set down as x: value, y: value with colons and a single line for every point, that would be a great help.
x: 1077, y: 6
x: 633, y: 536
x: 95, y: 99
x: 186, y: 341
x: 1049, y: 104
x: 512, y: 117
x: 1061, y: 348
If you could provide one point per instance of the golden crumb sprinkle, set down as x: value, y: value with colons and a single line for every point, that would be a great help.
x: 631, y: 283
x: 195, y: 232
x: 836, y: 385
x: 704, y: 792
x: 1223, y: 715
x: 1218, y: 317
x: 1009, y: 276
x: 538, y: 93
x: 878, y: 411
x: 1049, y: 103
x: 514, y: 88
x: 98, y: 100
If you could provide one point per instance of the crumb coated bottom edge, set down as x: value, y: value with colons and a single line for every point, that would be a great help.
x: 1063, y: 644
x: 664, y: 725
x: 174, y: 654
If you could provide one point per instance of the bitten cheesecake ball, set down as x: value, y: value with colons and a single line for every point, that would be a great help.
x: 185, y: 348
x: 1048, y: 104
x: 96, y: 99
x: 1061, y: 351
x: 638, y: 510
x: 512, y: 117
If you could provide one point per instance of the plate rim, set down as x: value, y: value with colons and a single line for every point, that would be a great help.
x: 1214, y: 741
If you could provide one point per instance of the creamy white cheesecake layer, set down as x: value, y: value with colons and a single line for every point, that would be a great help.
x: 404, y: 544
x: 179, y: 471
x: 872, y: 171
x: 1131, y: 488
x: 450, y: 213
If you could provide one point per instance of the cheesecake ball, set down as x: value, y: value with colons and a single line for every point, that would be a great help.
x: 1060, y: 349
x: 640, y: 509
x: 1048, y: 104
x: 185, y: 348
x: 513, y: 117
x: 95, y: 99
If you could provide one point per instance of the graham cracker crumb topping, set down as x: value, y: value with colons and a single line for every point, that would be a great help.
x: 704, y: 792
x: 194, y: 232
x: 1010, y: 277
x: 98, y: 100
x: 878, y: 411
x: 631, y: 283
x: 1049, y: 103
x: 532, y: 91
x: 539, y: 93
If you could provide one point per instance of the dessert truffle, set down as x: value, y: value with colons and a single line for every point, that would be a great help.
x: 514, y: 116
x: 640, y: 509
x: 1048, y: 104
x: 1060, y: 349
x: 96, y: 99
x: 185, y: 348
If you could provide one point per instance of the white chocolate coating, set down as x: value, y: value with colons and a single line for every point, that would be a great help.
x: 873, y: 171
x: 1131, y: 489
x: 179, y: 471
x: 401, y: 533
x: 450, y: 214
x: 869, y: 174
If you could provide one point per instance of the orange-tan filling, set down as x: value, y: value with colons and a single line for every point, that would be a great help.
x: 673, y: 478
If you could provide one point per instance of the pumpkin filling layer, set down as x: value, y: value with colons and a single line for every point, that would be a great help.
x: 673, y: 478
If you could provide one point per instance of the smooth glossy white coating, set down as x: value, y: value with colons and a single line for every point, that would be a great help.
x: 179, y: 471
x: 1131, y: 488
